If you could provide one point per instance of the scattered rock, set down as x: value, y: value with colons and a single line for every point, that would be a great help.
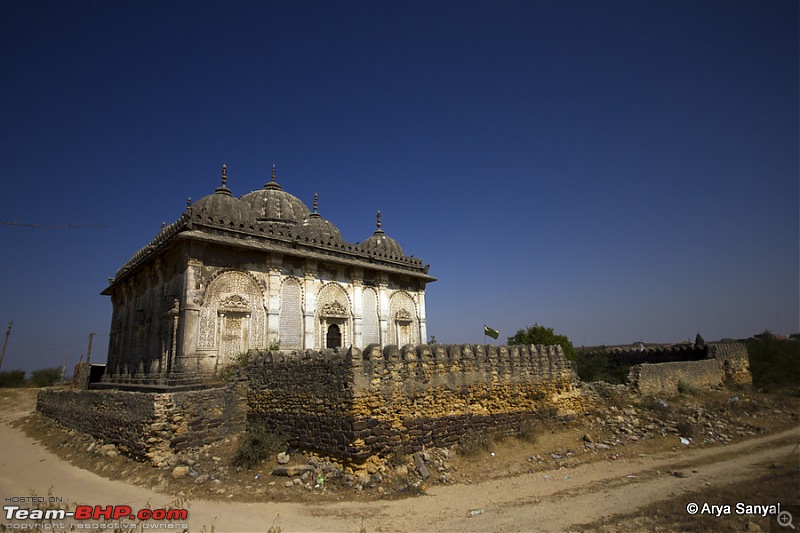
x: 283, y: 458
x: 202, y: 478
x: 180, y: 471
x: 424, y: 472
x: 292, y: 471
x: 588, y: 438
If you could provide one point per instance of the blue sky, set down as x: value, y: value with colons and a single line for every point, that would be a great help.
x: 616, y: 170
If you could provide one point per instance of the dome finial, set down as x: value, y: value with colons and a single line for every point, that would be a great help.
x: 273, y: 173
x: 224, y: 175
x: 189, y: 202
x: 315, y: 202
x: 379, y: 221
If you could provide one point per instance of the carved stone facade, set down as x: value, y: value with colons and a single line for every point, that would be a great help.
x: 259, y: 272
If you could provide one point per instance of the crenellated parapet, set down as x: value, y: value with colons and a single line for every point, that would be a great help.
x: 441, y: 363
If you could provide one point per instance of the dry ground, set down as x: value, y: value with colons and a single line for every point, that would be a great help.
x: 551, y: 482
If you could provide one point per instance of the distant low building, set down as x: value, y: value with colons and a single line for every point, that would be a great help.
x: 258, y: 272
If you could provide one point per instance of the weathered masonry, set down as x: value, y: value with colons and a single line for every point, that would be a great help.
x: 258, y: 272
x: 346, y: 403
x: 660, y: 369
x: 358, y: 404
x: 353, y: 403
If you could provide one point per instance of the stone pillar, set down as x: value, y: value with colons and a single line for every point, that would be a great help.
x: 358, y: 310
x: 383, y: 307
x: 310, y: 309
x: 423, y: 325
x: 274, y: 299
x: 189, y: 321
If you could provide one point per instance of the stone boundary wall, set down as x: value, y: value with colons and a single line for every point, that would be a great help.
x: 734, y: 360
x: 723, y: 362
x: 355, y: 404
x: 666, y: 378
x: 146, y: 425
x: 652, y: 354
x: 305, y: 396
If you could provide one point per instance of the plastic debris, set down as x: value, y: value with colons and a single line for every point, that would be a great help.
x: 475, y: 512
x: 684, y: 441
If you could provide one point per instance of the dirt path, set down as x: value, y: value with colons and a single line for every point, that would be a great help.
x: 555, y: 500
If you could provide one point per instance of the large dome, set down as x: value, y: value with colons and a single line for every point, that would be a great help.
x: 273, y: 204
x: 317, y: 229
x: 381, y: 244
x: 222, y: 206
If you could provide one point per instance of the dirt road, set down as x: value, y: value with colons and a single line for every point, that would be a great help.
x: 555, y: 500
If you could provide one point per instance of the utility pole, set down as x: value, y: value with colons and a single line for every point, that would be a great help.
x: 89, y: 349
x: 64, y: 368
x: 5, y: 342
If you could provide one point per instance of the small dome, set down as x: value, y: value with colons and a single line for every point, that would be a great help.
x: 222, y: 205
x: 316, y: 228
x: 380, y: 243
x: 273, y: 204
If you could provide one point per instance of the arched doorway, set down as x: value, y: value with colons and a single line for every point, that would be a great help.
x: 333, y: 338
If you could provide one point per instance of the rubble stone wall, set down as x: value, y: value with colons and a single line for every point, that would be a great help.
x: 144, y: 424
x: 357, y: 404
x: 305, y: 396
x: 354, y: 404
x: 666, y: 378
x: 734, y: 360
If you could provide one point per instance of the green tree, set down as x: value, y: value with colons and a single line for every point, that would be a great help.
x: 538, y: 334
x: 12, y: 378
x: 45, y: 377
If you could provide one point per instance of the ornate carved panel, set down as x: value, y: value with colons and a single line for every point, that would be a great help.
x: 369, y: 324
x: 291, y: 315
x: 232, y: 291
x: 404, y: 326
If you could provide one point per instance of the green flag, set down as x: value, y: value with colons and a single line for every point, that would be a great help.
x: 489, y: 332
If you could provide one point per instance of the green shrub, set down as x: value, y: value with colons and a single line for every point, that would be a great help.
x: 774, y: 363
x: 596, y: 364
x: 12, y: 378
x: 684, y: 387
x: 256, y: 444
x: 530, y: 430
x: 474, y: 443
x: 46, y: 377
x: 538, y: 334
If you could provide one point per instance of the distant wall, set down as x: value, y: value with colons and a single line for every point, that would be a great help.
x: 148, y: 425
x: 723, y: 362
x: 734, y: 360
x: 665, y: 378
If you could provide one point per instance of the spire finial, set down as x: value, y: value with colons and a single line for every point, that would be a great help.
x: 273, y: 172
x: 224, y: 174
x: 189, y: 202
x: 315, y: 202
x: 379, y: 221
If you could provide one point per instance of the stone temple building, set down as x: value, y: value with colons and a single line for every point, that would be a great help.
x: 259, y: 272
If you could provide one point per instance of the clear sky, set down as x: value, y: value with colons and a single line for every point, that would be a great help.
x: 616, y: 170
